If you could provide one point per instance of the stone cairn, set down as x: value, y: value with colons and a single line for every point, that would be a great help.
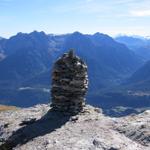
x: 69, y: 83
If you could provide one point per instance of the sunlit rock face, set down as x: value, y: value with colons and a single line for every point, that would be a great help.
x: 69, y: 83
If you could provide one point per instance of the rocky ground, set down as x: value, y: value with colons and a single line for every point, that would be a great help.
x: 40, y: 128
x: 4, y: 108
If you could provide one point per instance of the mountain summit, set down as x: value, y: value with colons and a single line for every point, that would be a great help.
x: 41, y: 128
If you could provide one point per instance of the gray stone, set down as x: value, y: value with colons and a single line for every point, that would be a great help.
x: 69, y: 83
x: 89, y: 130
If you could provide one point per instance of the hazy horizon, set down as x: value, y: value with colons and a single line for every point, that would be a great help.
x: 113, y: 36
x: 129, y: 17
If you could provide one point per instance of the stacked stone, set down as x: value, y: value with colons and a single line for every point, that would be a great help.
x: 69, y: 83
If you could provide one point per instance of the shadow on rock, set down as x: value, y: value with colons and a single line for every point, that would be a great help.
x: 31, y: 129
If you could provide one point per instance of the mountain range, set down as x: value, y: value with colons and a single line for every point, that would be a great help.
x: 140, y: 45
x: 27, y: 60
x: 140, y: 80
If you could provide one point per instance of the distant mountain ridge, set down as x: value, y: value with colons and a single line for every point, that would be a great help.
x: 141, y: 46
x: 140, y: 80
x: 1, y: 38
x: 111, y: 60
x: 2, y: 42
x: 30, y: 57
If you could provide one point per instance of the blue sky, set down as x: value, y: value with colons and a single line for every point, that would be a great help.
x: 65, y: 16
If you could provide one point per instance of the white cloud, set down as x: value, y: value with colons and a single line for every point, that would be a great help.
x: 140, y: 13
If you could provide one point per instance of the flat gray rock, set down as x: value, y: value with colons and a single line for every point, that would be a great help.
x: 40, y: 128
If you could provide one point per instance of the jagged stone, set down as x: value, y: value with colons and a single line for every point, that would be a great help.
x: 69, y: 83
